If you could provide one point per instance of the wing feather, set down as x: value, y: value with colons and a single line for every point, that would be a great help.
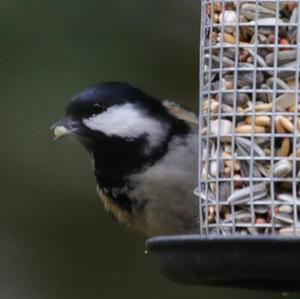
x: 181, y: 113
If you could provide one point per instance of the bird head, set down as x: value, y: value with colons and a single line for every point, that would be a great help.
x: 114, y: 110
x: 122, y: 127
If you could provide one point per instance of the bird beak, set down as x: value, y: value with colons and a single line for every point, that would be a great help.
x: 65, y: 127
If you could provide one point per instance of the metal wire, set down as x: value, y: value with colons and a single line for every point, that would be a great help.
x: 249, y: 125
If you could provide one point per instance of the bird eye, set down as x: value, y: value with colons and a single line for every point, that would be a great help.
x: 97, y: 109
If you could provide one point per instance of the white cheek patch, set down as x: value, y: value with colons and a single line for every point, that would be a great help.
x: 128, y: 122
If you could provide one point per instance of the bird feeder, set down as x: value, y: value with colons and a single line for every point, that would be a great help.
x: 249, y: 151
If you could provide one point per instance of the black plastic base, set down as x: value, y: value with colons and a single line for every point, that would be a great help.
x: 260, y: 262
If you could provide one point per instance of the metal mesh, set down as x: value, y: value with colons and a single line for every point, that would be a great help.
x: 249, y: 118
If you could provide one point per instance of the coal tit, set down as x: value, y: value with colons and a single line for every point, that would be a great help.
x: 144, y: 153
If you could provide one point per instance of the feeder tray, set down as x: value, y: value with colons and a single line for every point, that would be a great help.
x: 261, y: 262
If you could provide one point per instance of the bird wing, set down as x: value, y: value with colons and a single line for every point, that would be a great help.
x: 181, y: 113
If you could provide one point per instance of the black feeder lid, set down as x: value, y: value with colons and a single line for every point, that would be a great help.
x: 253, y: 262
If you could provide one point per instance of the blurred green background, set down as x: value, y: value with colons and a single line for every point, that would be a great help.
x: 56, y: 241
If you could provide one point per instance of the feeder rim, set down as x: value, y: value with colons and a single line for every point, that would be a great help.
x: 171, y: 240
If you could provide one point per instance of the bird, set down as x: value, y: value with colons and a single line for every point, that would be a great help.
x: 144, y: 152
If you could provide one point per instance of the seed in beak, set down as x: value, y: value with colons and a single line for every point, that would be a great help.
x: 60, y: 131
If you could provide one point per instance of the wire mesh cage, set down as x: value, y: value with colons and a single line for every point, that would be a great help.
x: 249, y: 151
x: 249, y: 118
